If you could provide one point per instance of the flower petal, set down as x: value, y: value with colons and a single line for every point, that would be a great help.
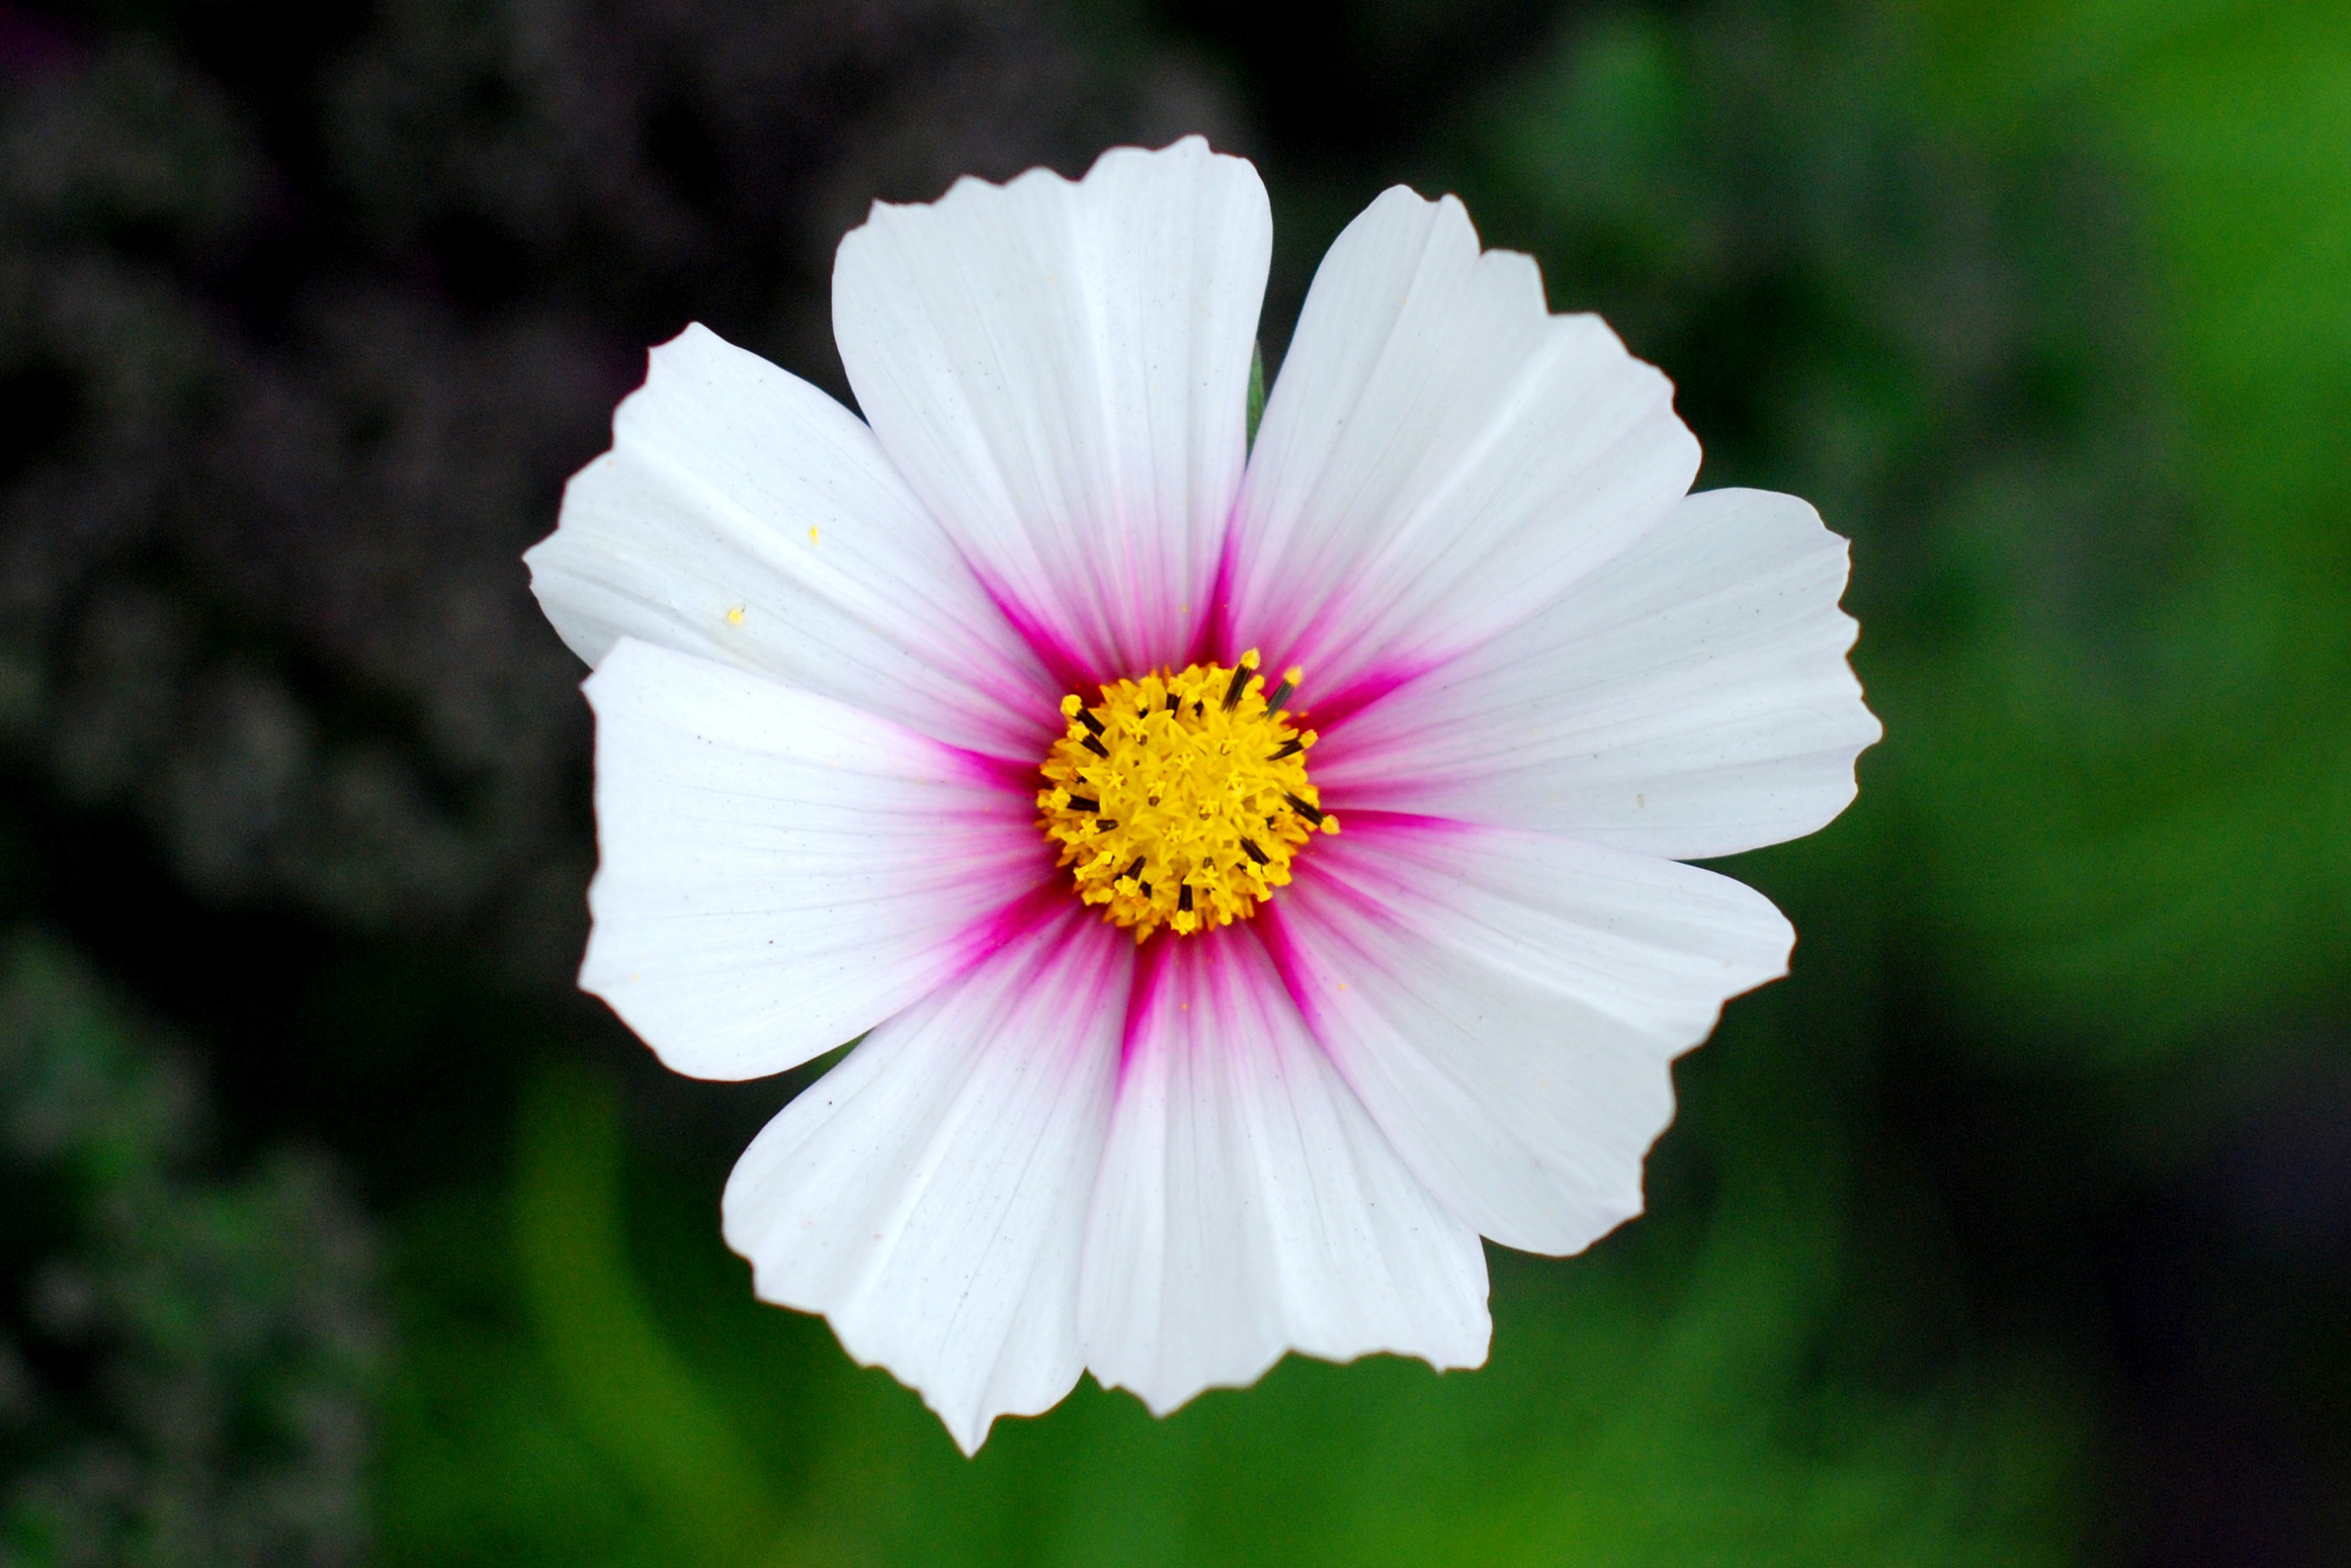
x: 1689, y: 698
x: 1507, y: 1004
x: 1440, y: 457
x: 780, y: 871
x: 1247, y: 1206
x: 1061, y: 372
x: 928, y: 1196
x: 745, y: 516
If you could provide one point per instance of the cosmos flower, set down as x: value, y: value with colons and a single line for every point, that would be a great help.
x: 1255, y: 870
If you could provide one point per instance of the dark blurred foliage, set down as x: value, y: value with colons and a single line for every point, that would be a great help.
x: 2014, y: 1228
x: 187, y: 1367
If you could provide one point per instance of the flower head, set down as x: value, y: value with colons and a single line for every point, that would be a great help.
x: 956, y: 729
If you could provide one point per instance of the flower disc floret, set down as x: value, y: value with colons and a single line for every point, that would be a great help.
x: 1181, y: 799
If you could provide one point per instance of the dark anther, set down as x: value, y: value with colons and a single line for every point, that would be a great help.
x: 1080, y: 803
x: 1089, y: 721
x: 1173, y: 701
x: 1183, y: 897
x: 1312, y: 813
x: 1248, y: 847
x: 1290, y: 747
x: 1091, y: 744
x: 1280, y: 694
x: 1241, y: 683
x: 1103, y: 824
x: 1131, y: 869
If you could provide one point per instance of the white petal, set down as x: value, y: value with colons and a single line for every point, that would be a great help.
x: 928, y: 1196
x: 1061, y: 372
x: 1439, y: 459
x: 1247, y: 1204
x: 1507, y: 1005
x: 1691, y: 698
x: 780, y: 871
x: 745, y: 516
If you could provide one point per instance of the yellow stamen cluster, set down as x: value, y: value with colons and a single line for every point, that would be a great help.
x: 1180, y: 799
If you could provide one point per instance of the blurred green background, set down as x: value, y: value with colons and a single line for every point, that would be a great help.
x: 2013, y: 1228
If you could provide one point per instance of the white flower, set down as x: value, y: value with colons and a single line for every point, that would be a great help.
x: 948, y: 731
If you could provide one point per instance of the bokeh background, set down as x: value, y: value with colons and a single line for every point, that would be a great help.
x: 2014, y: 1228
